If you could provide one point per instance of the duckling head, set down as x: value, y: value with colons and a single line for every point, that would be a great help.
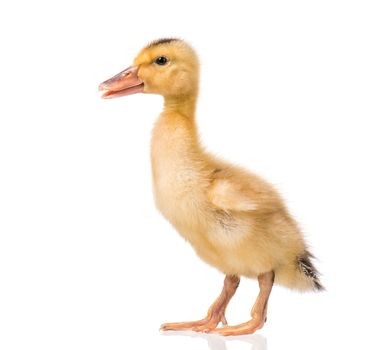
x: 168, y: 67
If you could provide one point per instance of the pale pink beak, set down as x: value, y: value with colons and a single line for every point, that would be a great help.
x: 125, y: 83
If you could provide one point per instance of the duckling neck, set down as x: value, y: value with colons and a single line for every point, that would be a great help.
x: 175, y: 144
x: 184, y: 106
x: 177, y: 124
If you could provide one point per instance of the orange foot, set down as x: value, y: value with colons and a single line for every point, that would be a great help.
x: 205, y: 325
x: 215, y: 313
x: 241, y: 329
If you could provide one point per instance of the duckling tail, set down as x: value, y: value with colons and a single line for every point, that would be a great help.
x: 306, y: 267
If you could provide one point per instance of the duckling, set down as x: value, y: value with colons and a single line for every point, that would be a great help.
x: 234, y: 220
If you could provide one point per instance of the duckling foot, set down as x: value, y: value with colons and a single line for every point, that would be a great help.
x: 203, y: 325
x: 215, y: 313
x: 241, y: 329
x: 258, y: 312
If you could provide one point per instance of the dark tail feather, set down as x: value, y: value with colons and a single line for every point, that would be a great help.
x: 306, y: 266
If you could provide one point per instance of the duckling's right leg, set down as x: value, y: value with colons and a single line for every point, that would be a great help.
x: 215, y: 313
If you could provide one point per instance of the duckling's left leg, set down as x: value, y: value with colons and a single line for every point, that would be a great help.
x: 258, y: 312
x: 215, y: 312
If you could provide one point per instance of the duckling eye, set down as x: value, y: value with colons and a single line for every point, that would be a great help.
x: 162, y: 60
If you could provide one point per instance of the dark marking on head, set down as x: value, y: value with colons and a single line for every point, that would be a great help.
x: 162, y: 41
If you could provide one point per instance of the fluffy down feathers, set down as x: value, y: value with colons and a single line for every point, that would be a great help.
x: 234, y: 220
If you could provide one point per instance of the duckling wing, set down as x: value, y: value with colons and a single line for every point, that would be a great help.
x: 236, y: 189
x: 231, y: 195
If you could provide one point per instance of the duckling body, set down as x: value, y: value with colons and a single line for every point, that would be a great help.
x: 234, y: 220
x: 190, y: 188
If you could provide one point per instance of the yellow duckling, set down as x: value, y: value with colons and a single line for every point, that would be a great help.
x: 234, y: 220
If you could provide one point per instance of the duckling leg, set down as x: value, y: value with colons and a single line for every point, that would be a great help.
x: 215, y: 313
x: 258, y: 312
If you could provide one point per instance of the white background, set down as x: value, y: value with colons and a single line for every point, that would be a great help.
x: 294, y: 90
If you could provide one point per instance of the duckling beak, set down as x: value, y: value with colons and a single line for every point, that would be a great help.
x: 124, y: 83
